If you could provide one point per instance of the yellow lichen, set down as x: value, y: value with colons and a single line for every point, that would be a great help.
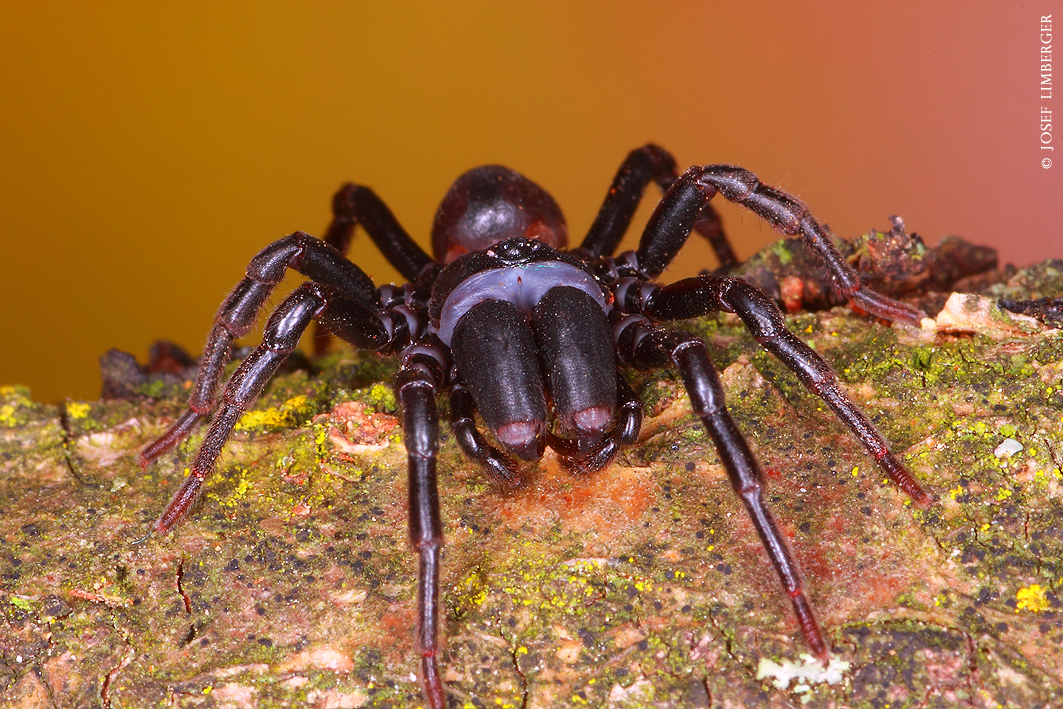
x: 77, y: 409
x: 240, y: 492
x: 281, y: 417
x: 242, y: 487
x: 1031, y: 598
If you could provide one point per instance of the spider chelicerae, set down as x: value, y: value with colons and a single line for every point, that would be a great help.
x: 511, y: 324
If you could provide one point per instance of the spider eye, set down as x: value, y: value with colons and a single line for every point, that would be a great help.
x: 491, y: 204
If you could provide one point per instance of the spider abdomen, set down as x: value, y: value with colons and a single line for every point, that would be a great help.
x: 492, y: 203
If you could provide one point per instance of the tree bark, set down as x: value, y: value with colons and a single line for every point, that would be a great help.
x: 644, y: 585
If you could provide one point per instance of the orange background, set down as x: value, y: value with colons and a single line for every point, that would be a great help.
x: 150, y: 149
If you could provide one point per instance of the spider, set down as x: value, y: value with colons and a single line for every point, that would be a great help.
x: 511, y: 324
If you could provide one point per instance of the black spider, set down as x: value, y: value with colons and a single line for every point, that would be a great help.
x: 514, y: 326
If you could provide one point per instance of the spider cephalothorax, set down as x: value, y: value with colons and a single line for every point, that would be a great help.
x: 533, y: 337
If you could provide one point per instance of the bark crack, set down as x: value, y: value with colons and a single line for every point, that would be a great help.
x: 514, y: 655
x: 68, y: 439
x: 187, y: 601
x: 108, y: 680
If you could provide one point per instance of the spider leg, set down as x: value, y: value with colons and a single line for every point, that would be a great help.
x: 675, y: 215
x: 355, y: 205
x: 280, y: 336
x: 496, y: 464
x: 302, y: 252
x: 640, y: 167
x: 645, y: 345
x: 421, y: 374
x: 698, y: 296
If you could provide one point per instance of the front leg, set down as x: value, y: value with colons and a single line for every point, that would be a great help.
x: 670, y: 225
x: 420, y: 376
x: 694, y: 297
x: 299, y: 251
x: 643, y: 344
x: 280, y: 336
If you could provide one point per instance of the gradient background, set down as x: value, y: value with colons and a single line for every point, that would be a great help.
x: 150, y: 149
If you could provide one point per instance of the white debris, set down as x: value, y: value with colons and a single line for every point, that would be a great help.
x: 1007, y: 448
x: 966, y: 314
x: 810, y: 672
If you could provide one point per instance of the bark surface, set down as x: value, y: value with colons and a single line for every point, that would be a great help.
x: 644, y: 585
